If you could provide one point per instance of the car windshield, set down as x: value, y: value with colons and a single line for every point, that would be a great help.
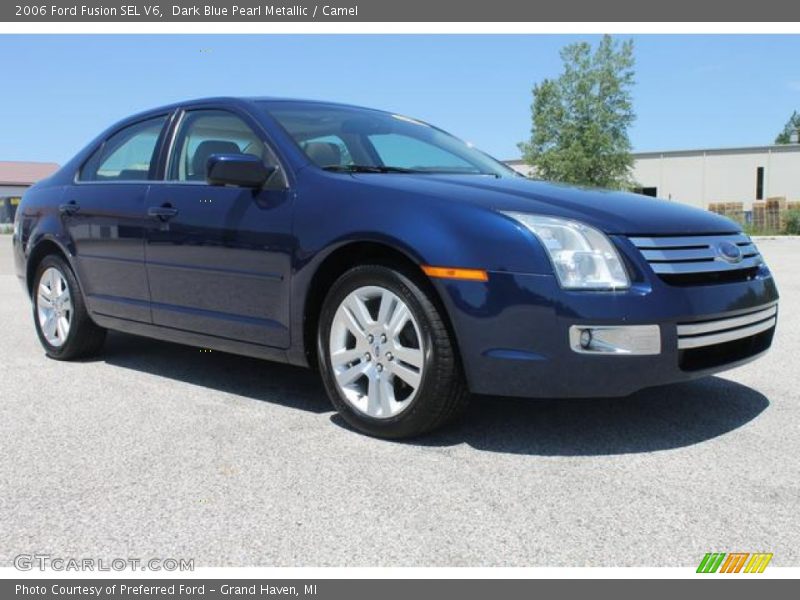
x: 347, y: 139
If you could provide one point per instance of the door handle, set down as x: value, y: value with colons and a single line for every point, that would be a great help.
x: 70, y: 208
x: 164, y: 212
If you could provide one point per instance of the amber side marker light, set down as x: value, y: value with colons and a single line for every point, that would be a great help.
x: 455, y: 273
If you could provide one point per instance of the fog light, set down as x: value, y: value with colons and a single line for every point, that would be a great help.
x: 615, y: 339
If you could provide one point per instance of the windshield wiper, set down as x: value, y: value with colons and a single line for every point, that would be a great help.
x: 367, y: 169
x: 459, y: 172
x: 388, y: 169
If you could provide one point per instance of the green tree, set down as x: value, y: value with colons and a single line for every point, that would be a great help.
x: 580, y: 120
x: 792, y: 126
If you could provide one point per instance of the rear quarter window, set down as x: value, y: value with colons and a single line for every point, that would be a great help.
x: 128, y: 155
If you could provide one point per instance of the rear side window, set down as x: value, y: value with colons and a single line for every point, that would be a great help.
x: 128, y: 155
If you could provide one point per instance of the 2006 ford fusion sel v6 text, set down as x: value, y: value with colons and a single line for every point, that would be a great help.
x: 409, y: 267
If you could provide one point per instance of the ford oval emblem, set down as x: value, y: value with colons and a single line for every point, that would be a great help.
x: 729, y: 252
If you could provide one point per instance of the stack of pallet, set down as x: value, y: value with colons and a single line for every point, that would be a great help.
x: 770, y: 215
x: 775, y: 214
x: 759, y: 215
x: 732, y: 210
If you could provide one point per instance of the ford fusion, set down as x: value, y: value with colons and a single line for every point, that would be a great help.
x: 410, y: 268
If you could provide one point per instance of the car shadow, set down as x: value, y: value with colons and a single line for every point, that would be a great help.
x: 660, y: 418
x: 277, y: 383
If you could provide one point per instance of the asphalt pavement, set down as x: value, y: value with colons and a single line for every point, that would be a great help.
x: 160, y: 450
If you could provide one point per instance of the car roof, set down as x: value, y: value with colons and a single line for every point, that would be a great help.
x: 240, y: 100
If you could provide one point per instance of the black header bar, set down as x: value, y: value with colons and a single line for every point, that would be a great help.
x: 400, y: 11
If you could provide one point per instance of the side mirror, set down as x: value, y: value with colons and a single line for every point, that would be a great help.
x: 242, y: 170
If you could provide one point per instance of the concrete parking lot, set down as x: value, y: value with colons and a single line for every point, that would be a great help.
x: 159, y: 450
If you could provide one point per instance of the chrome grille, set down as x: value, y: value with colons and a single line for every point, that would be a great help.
x: 696, y: 254
x: 720, y: 331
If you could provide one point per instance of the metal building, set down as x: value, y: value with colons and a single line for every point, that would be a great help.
x: 15, y: 178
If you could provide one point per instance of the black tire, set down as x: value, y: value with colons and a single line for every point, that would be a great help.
x: 85, y: 338
x: 442, y: 394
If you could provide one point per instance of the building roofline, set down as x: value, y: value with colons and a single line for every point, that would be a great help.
x: 700, y: 151
x: 47, y: 163
x: 723, y: 150
x: 23, y: 173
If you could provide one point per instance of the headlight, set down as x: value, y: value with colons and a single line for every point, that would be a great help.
x: 583, y: 257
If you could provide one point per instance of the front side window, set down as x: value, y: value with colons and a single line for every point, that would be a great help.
x: 343, y: 138
x: 204, y: 133
x: 128, y: 155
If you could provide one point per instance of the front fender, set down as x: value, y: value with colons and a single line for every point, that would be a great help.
x: 334, y: 211
x: 430, y: 229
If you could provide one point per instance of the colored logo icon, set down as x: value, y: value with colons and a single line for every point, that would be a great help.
x: 734, y: 562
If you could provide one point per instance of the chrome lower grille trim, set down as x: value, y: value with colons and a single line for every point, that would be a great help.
x: 719, y: 331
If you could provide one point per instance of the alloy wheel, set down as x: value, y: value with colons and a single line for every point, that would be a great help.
x: 376, y: 352
x: 54, y: 307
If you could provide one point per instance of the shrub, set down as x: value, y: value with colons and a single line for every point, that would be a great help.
x: 792, y: 226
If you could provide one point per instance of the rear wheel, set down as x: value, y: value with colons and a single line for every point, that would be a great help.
x: 387, y: 360
x: 64, y: 327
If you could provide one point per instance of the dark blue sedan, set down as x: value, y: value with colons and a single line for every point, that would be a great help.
x: 409, y: 267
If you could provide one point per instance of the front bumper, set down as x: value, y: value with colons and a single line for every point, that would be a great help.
x: 514, y: 333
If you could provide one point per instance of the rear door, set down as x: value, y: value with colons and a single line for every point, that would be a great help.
x: 218, y: 261
x: 104, y: 213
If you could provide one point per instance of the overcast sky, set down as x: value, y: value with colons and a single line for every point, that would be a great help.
x: 58, y: 92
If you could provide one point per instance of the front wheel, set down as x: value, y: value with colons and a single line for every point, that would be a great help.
x: 386, y: 357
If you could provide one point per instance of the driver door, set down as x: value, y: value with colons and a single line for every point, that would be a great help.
x: 218, y: 257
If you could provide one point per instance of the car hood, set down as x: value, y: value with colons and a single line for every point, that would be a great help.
x: 610, y: 211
